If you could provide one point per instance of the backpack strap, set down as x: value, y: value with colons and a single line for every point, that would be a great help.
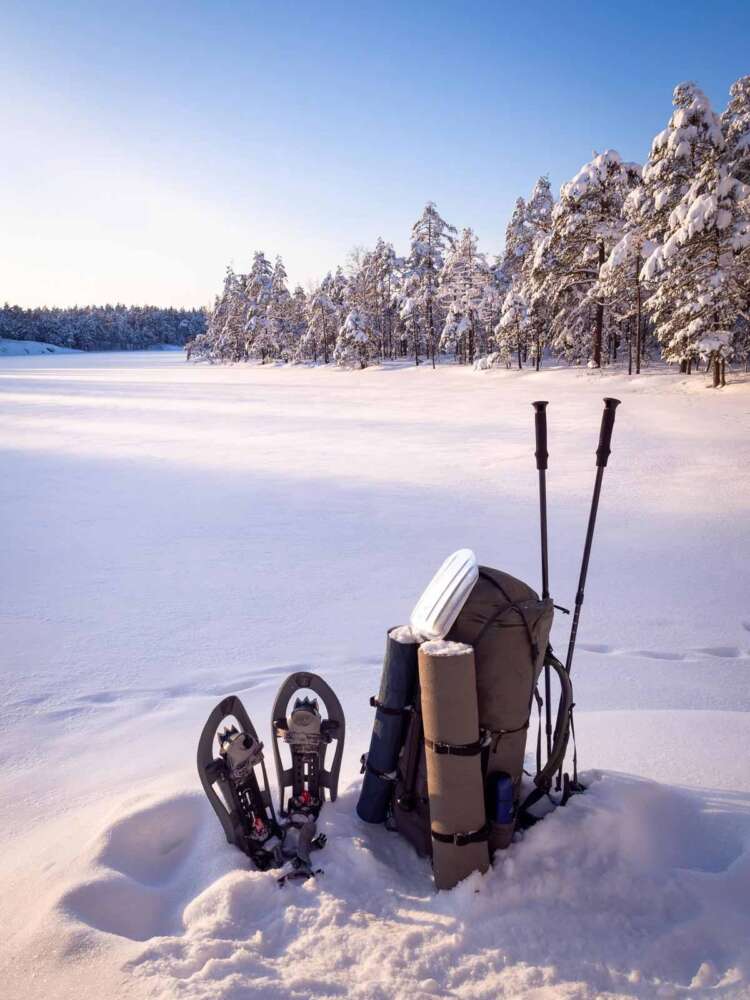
x: 462, y: 839
x: 458, y: 749
x: 544, y: 777
x: 367, y: 766
x: 376, y: 703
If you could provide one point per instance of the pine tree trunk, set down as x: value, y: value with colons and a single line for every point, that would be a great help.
x: 630, y: 349
x: 519, y: 352
x: 638, y: 335
x: 538, y: 350
x: 599, y: 322
x: 431, y: 325
x: 723, y: 373
x: 716, y: 371
x: 683, y: 367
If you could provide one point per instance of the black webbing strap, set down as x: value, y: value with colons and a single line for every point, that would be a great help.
x: 511, y: 605
x: 407, y: 710
x: 457, y: 749
x: 538, y: 699
x: 367, y: 766
x: 495, y: 735
x: 462, y: 839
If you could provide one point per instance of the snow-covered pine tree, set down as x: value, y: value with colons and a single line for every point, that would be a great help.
x: 700, y: 269
x: 431, y: 238
x: 620, y: 285
x: 322, y: 323
x: 260, y: 342
x: 736, y: 124
x: 518, y: 241
x: 676, y: 157
x: 464, y: 284
x: 586, y: 223
x: 279, y: 314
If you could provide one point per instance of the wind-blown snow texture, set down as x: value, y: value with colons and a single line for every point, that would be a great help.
x: 174, y: 533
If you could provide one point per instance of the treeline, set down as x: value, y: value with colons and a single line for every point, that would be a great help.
x: 630, y: 262
x: 103, y: 328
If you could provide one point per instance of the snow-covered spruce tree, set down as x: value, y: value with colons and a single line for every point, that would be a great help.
x: 383, y: 264
x: 464, y: 285
x: 518, y: 243
x: 531, y: 285
x: 586, y: 223
x: 431, y: 238
x: 510, y: 332
x: 353, y: 343
x: 205, y: 346
x: 279, y: 314
x: 357, y: 343
x: 297, y: 323
x: 260, y: 339
x: 224, y: 339
x: 700, y: 269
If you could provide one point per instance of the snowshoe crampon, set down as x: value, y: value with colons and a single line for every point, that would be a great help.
x: 233, y: 775
x: 308, y: 735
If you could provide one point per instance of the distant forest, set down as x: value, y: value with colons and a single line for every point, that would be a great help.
x: 103, y: 328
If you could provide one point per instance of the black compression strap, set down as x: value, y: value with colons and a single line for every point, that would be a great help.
x: 456, y: 749
x: 462, y: 839
x: 389, y: 711
x: 384, y: 775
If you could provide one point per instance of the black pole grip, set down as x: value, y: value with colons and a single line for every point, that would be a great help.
x: 605, y: 433
x: 540, y: 423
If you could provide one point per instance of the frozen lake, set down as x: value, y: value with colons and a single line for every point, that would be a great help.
x: 173, y: 533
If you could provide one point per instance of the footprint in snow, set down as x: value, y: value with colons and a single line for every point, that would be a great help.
x: 725, y: 652
x: 142, y: 856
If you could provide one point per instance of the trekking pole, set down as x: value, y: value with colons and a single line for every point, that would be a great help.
x: 540, y: 425
x: 602, y: 454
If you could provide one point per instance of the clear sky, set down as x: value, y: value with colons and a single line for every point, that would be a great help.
x: 146, y: 145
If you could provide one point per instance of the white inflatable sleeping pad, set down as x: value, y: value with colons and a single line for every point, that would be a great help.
x: 445, y: 595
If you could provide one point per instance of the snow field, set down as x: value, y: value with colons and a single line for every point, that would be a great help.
x: 175, y: 533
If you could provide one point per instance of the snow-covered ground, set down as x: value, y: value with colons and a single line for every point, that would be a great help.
x: 24, y: 348
x: 174, y: 532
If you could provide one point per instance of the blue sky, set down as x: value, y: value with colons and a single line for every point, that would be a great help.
x: 147, y: 145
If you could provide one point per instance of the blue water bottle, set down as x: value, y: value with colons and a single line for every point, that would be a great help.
x: 500, y: 797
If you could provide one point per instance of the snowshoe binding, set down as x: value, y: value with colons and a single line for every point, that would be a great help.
x: 236, y: 783
x: 303, y: 784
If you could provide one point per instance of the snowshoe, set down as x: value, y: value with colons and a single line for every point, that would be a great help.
x: 236, y: 784
x: 308, y: 735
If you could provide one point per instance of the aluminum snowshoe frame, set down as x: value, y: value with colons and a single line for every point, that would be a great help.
x: 308, y: 773
x: 244, y: 806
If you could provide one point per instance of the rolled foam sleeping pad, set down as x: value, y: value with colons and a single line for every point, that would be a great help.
x: 492, y: 621
x: 447, y: 679
x: 397, y: 684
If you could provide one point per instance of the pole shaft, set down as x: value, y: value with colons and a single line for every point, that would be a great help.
x: 602, y: 455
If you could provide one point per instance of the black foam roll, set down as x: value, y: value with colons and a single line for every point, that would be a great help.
x: 397, y: 683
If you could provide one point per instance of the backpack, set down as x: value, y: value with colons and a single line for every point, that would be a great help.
x: 508, y: 626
